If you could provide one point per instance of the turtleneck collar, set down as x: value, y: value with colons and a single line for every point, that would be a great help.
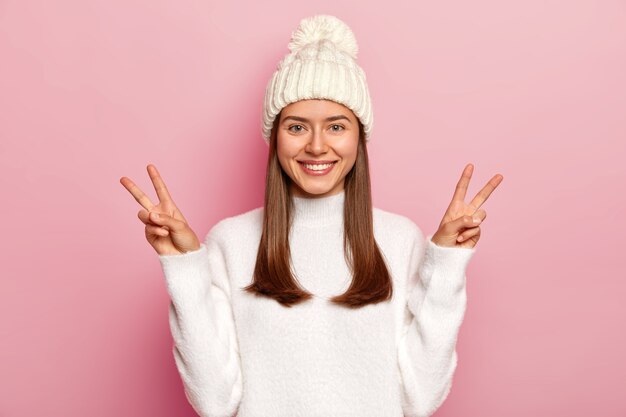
x: 319, y: 211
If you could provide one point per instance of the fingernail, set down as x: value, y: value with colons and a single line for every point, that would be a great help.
x: 154, y: 215
x: 476, y: 220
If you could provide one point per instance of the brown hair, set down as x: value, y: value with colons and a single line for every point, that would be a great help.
x: 273, y: 277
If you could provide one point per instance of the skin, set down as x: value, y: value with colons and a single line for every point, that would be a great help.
x: 317, y: 139
x: 457, y: 228
x: 169, y: 233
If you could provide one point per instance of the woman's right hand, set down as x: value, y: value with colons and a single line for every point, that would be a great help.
x: 167, y: 231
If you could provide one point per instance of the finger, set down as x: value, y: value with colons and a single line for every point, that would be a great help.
x: 144, y: 216
x: 461, y: 186
x: 460, y: 224
x: 486, y: 191
x: 156, y: 230
x: 474, y: 231
x: 166, y: 221
x: 139, y: 195
x: 481, y: 214
x: 159, y: 184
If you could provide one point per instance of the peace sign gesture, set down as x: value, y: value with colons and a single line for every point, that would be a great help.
x: 167, y: 229
x: 457, y: 228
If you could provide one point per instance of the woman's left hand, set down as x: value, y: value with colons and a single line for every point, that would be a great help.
x: 457, y: 228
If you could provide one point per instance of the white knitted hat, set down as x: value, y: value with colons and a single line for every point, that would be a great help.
x: 321, y: 65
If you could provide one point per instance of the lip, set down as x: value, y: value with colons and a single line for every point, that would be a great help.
x: 316, y: 173
x: 312, y: 162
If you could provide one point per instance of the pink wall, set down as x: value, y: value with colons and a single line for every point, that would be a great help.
x: 91, y: 91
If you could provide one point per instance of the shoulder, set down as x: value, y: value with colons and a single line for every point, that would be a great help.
x: 240, y: 227
x: 396, y: 225
x: 399, y: 239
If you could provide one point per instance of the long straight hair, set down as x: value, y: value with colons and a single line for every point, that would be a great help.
x: 273, y: 275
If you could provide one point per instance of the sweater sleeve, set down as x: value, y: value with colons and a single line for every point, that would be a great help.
x: 434, y: 311
x: 201, y: 321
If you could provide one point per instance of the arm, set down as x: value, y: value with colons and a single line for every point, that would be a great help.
x: 436, y: 301
x: 203, y: 329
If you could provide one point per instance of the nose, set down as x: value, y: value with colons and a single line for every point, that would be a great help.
x: 317, y: 143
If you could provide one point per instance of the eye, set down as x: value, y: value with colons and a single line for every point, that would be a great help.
x: 338, y: 130
x: 295, y: 126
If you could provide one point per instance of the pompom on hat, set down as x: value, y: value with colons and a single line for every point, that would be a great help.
x: 321, y: 65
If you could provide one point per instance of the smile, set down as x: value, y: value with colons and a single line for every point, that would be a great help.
x: 317, y: 169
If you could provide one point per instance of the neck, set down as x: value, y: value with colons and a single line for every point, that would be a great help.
x: 318, y: 211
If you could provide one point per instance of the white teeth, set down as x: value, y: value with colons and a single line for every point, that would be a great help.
x: 317, y: 167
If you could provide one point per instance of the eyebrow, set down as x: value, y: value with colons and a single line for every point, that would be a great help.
x: 328, y: 119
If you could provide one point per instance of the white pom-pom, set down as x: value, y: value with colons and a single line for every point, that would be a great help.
x: 315, y: 28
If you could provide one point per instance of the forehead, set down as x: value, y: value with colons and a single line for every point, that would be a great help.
x: 316, y: 108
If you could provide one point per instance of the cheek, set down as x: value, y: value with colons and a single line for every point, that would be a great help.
x: 285, y: 154
x: 348, y: 151
x: 280, y: 148
x: 284, y: 147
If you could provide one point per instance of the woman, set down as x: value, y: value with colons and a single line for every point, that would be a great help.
x: 316, y: 304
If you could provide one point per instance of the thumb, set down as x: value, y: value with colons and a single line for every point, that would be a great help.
x: 165, y: 220
x: 462, y: 223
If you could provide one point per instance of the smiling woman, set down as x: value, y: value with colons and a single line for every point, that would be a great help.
x: 317, y: 154
x: 319, y: 150
x: 316, y: 303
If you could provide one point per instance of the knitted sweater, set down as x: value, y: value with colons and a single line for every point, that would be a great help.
x: 238, y: 354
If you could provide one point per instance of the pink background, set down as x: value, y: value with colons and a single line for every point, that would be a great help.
x: 91, y: 91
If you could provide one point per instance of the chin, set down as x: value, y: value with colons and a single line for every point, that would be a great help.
x: 314, y: 191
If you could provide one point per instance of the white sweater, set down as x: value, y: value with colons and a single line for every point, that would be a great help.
x: 249, y: 356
